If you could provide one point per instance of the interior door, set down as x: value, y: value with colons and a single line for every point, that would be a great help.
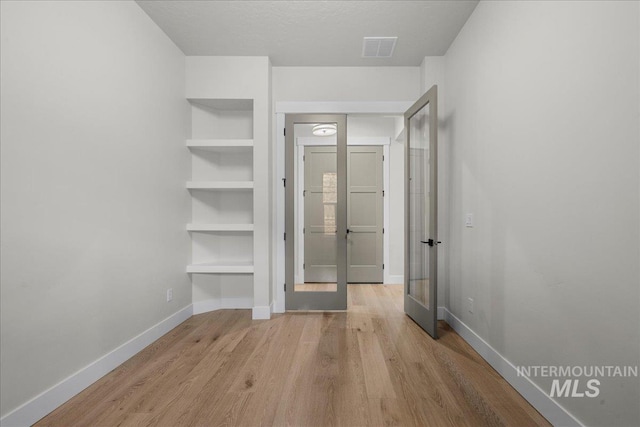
x: 319, y: 243
x: 421, y: 203
x: 364, y: 214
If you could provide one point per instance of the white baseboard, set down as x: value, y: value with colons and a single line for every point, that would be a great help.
x: 538, y: 398
x: 41, y: 405
x: 261, y: 312
x: 206, y: 306
x: 395, y: 279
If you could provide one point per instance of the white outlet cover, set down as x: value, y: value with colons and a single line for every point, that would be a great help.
x: 169, y: 294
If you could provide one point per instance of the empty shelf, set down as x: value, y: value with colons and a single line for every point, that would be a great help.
x: 221, y: 145
x: 233, y: 267
x: 220, y: 227
x: 220, y: 185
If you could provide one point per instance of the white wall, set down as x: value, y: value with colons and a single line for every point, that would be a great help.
x: 93, y: 202
x: 346, y: 83
x: 542, y: 115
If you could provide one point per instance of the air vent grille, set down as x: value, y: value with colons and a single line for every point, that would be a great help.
x: 378, y: 47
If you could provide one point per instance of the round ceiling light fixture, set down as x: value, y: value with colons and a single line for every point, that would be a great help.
x: 324, y: 129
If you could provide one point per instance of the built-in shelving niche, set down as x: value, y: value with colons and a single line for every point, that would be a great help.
x: 221, y: 187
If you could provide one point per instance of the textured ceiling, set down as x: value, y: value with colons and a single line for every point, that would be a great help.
x: 311, y: 33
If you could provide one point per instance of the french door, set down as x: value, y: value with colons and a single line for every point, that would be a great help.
x: 316, y: 245
x: 421, y: 210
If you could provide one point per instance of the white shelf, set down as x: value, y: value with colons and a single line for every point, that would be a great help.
x: 219, y: 227
x: 229, y: 267
x: 238, y: 104
x: 220, y: 145
x: 220, y: 185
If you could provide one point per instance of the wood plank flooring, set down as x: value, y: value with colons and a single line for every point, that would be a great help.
x: 369, y: 366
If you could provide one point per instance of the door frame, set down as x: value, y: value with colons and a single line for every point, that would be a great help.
x: 316, y: 300
x: 426, y: 317
x: 278, y: 161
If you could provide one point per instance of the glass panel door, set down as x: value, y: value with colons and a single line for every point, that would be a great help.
x: 421, y: 124
x: 315, y: 221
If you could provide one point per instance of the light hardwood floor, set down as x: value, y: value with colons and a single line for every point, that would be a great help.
x: 369, y: 366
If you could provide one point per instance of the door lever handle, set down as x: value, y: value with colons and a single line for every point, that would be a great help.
x: 430, y: 242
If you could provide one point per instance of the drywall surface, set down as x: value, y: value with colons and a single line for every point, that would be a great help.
x: 542, y: 116
x: 93, y: 200
x: 346, y: 83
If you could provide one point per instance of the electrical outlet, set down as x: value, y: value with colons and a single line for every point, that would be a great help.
x: 169, y: 294
x: 470, y: 305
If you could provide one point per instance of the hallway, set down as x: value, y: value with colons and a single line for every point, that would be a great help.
x: 370, y: 366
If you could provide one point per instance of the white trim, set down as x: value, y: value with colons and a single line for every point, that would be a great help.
x: 206, y: 306
x: 442, y: 313
x: 278, y: 259
x: 537, y: 397
x: 386, y: 211
x: 261, y: 312
x: 41, y: 405
x: 395, y: 279
x: 351, y: 140
x: 343, y: 107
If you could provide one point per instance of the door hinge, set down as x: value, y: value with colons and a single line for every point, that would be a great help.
x: 303, y: 265
x: 383, y: 266
x: 285, y: 131
x: 285, y: 236
x: 304, y: 230
x: 383, y: 157
x: 284, y: 182
x: 304, y: 193
x: 382, y: 193
x: 285, y: 287
x: 382, y: 230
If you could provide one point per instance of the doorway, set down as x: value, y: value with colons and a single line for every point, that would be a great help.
x: 315, y: 208
x: 315, y: 267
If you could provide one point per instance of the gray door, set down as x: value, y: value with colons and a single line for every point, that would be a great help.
x: 364, y: 214
x: 319, y: 215
x: 322, y: 283
x: 421, y: 206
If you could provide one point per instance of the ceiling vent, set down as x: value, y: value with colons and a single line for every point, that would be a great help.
x: 378, y: 47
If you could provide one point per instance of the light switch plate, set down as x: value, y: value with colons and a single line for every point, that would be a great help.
x: 468, y: 220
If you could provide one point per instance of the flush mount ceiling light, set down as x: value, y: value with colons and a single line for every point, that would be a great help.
x: 324, y: 129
